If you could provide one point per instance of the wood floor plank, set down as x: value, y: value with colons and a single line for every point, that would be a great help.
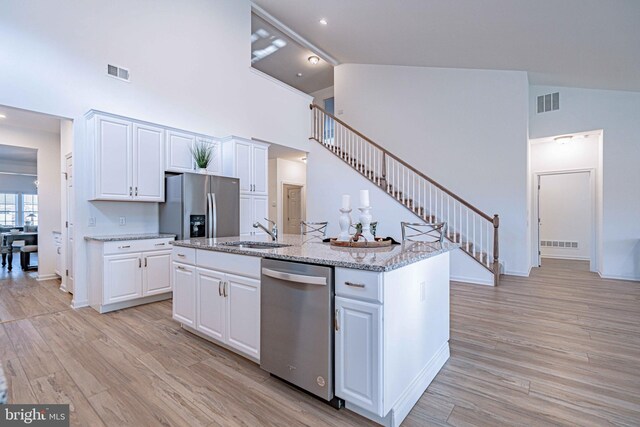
x: 561, y: 347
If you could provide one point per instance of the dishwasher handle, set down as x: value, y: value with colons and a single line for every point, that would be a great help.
x: 298, y: 278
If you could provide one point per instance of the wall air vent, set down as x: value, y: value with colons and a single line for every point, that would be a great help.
x: 118, y: 72
x: 558, y: 244
x: 549, y: 102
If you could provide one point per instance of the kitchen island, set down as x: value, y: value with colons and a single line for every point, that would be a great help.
x: 391, y: 310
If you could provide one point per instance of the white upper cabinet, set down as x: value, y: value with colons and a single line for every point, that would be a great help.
x: 128, y: 159
x: 113, y: 165
x: 148, y: 163
x: 248, y: 161
x: 179, y: 157
x: 260, y: 174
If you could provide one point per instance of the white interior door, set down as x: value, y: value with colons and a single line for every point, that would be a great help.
x: 565, y: 215
x: 292, y: 208
x: 68, y: 273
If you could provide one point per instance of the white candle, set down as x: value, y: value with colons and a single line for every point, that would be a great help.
x: 364, y: 198
x: 346, y: 202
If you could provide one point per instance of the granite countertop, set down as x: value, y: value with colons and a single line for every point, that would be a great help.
x: 122, y: 237
x: 313, y: 251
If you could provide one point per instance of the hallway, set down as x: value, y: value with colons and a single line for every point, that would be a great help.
x: 557, y: 348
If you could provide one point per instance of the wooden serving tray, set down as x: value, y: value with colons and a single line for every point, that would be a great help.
x: 379, y: 242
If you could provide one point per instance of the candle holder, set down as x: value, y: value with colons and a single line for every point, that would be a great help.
x: 365, y: 220
x: 345, y: 222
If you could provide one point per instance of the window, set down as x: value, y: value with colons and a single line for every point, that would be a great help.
x: 8, y: 209
x: 17, y: 210
x: 30, y: 209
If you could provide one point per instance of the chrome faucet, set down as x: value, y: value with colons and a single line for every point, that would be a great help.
x: 274, y: 230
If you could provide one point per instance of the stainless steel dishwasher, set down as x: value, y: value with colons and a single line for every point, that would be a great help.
x: 296, y: 326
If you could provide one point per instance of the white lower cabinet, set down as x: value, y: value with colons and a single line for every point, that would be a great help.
x: 218, y: 304
x: 243, y: 314
x: 357, y: 352
x: 184, y: 293
x: 123, y: 277
x: 211, y: 309
x: 128, y: 273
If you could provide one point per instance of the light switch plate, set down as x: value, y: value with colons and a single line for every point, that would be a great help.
x: 123, y: 220
x: 92, y: 221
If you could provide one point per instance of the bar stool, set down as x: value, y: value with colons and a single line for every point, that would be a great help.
x: 25, y: 256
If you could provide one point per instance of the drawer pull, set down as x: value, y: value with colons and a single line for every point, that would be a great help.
x: 336, y: 319
x: 124, y: 247
x: 159, y: 244
x: 355, y: 285
x: 181, y: 268
x: 181, y: 255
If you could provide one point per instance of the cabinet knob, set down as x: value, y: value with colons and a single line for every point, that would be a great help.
x: 131, y: 191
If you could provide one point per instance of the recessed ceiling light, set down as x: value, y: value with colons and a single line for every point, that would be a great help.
x: 323, y: 21
x: 299, y: 74
x: 2, y: 116
x: 313, y: 59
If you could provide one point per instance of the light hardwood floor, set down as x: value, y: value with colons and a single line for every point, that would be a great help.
x: 559, y: 348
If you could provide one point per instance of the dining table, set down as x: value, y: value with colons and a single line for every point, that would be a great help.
x: 29, y: 237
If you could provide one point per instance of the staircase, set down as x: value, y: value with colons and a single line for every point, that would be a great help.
x: 474, y: 230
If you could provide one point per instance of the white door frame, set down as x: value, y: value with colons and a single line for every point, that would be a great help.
x: 592, y: 204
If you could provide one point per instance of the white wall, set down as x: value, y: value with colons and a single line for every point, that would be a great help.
x: 320, y: 95
x: 566, y: 214
x: 48, y: 146
x: 467, y: 129
x: 617, y: 113
x: 190, y: 69
x: 290, y: 172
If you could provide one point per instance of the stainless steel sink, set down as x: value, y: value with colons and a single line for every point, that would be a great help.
x: 255, y: 245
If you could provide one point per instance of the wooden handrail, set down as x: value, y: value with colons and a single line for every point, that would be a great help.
x: 405, y: 164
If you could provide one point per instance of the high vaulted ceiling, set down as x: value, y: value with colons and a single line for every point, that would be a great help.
x: 581, y: 43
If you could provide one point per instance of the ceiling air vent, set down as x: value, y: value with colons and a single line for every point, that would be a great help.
x: 118, y: 72
x: 549, y: 102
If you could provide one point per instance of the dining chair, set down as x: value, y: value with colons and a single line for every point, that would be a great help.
x: 422, y: 232
x: 316, y: 229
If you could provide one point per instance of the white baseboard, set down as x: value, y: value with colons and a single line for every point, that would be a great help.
x: 79, y: 304
x: 411, y: 395
x: 43, y: 277
x: 578, y: 258
x: 618, y: 277
x: 472, y: 280
x: 518, y: 273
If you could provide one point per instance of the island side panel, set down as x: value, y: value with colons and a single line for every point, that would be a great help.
x: 416, y: 331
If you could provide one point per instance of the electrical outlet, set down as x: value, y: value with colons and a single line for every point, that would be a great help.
x: 92, y: 221
x: 123, y: 220
x: 423, y: 291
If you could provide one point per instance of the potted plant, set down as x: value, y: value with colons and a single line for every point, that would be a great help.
x: 202, y: 154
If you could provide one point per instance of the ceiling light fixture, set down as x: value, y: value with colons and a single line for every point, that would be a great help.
x: 2, y: 116
x: 299, y: 74
x: 323, y: 21
x: 563, y: 139
x: 313, y: 59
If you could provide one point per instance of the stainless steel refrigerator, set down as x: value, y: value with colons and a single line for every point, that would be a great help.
x: 200, y: 206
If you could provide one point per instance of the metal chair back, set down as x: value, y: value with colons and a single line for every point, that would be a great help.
x: 423, y: 232
x: 318, y: 229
